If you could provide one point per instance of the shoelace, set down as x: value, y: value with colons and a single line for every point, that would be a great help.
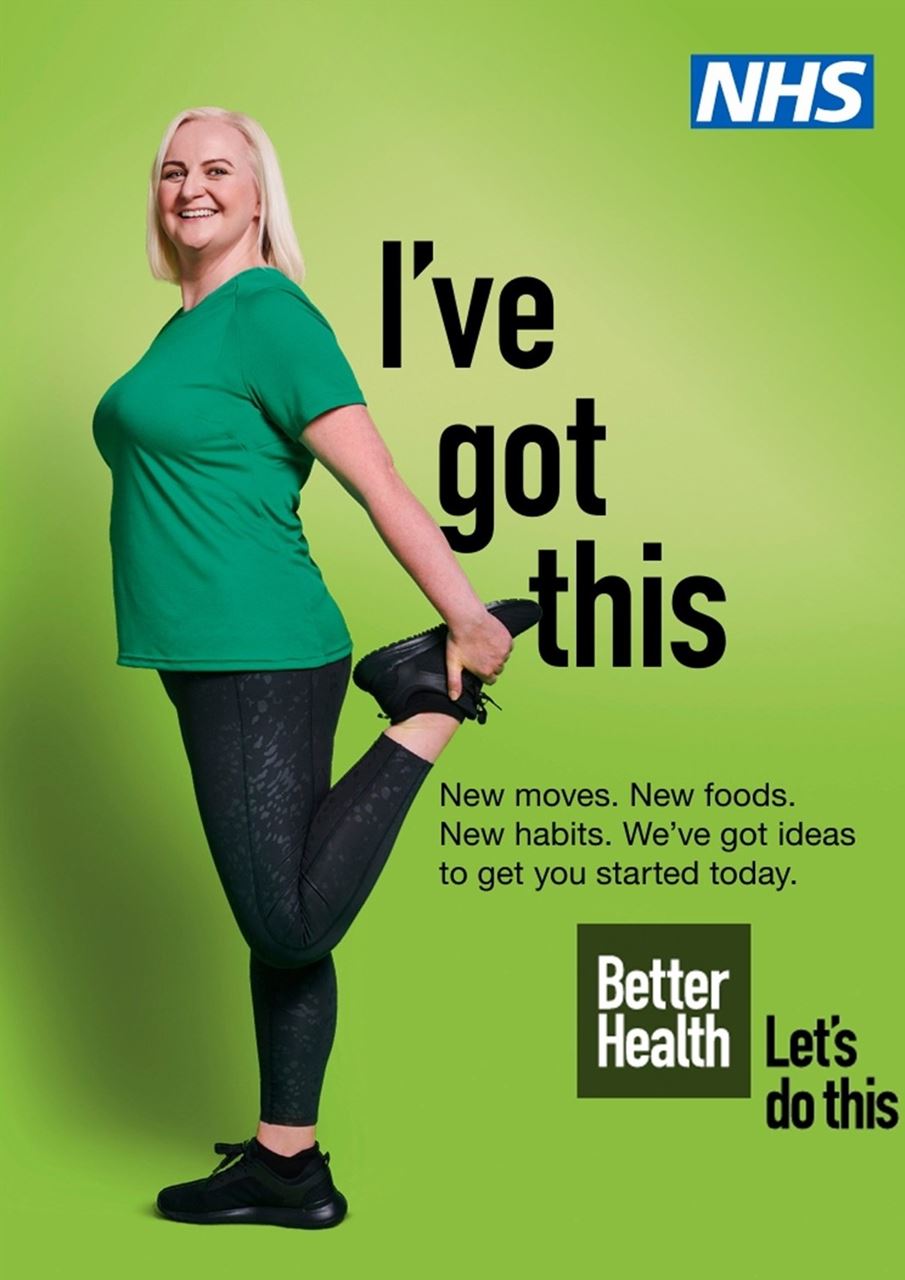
x: 480, y: 707
x: 230, y: 1150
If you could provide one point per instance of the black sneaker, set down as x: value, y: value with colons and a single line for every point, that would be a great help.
x: 417, y: 666
x: 249, y: 1191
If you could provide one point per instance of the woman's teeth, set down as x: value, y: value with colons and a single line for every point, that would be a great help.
x: 199, y: 213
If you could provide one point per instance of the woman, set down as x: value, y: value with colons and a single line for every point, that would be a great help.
x: 210, y: 438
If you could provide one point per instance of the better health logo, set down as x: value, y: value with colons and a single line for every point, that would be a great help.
x: 664, y: 1011
x: 782, y: 91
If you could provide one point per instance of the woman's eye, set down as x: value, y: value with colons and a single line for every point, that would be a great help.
x: 179, y: 173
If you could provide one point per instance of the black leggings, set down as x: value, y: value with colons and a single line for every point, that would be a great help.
x: 296, y: 858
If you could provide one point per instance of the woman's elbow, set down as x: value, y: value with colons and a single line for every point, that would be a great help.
x: 383, y: 484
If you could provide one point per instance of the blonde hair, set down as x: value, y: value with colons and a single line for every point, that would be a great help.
x: 277, y: 241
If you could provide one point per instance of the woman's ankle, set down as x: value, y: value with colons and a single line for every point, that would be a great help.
x: 285, y: 1139
x: 425, y: 733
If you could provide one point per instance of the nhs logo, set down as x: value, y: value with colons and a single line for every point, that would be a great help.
x: 782, y: 91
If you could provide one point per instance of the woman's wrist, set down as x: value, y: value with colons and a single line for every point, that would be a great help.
x: 468, y: 614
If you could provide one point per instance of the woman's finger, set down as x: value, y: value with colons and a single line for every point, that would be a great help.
x: 453, y: 676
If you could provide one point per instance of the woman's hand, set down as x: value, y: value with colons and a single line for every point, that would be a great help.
x: 481, y: 645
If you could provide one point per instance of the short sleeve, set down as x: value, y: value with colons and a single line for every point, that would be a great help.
x: 292, y: 364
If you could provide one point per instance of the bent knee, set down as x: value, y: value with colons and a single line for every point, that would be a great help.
x: 283, y: 955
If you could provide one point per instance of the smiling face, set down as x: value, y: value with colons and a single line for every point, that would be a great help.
x: 207, y: 196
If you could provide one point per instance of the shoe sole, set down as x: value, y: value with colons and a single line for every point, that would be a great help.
x: 372, y: 663
x: 316, y: 1217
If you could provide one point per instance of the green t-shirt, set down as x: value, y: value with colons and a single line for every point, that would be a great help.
x: 211, y: 566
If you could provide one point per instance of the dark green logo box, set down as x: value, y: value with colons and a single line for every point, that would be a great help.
x: 703, y: 947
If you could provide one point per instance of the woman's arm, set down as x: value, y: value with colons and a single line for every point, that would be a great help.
x: 349, y: 445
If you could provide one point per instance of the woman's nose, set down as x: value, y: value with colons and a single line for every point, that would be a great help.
x: 192, y: 186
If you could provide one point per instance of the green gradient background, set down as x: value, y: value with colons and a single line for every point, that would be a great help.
x: 730, y: 300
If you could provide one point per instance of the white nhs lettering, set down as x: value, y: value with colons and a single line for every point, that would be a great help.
x: 741, y: 105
